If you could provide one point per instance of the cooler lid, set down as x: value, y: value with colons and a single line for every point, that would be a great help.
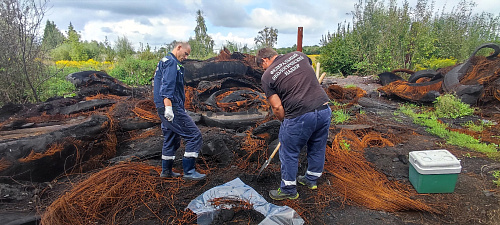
x: 435, y: 162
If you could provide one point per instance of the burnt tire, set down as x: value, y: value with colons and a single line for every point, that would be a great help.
x: 97, y: 82
x: 424, y: 73
x: 239, y: 121
x: 467, y: 93
x: 196, y: 71
x: 388, y: 77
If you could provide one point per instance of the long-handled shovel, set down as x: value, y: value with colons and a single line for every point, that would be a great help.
x: 270, y: 158
x: 320, y: 79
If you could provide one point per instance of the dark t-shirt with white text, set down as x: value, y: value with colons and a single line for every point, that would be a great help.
x: 292, y: 78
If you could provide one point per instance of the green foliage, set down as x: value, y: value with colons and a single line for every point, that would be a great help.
x: 134, y: 71
x: 448, y: 106
x: 108, y: 53
x: 340, y: 116
x: 21, y: 53
x: 93, y: 50
x: 267, y: 37
x: 57, y: 87
x: 202, y: 45
x: 308, y: 50
x: 474, y: 127
x: 382, y: 37
x: 496, y: 175
x: 72, y: 49
x: 311, y: 50
x: 237, y: 47
x: 434, y: 63
x: 147, y: 54
x: 344, y: 145
x: 338, y: 57
x: 468, y: 155
x: 123, y: 48
x: 52, y: 36
x: 429, y: 119
x: 61, y: 52
x: 478, y: 127
x: 199, y: 51
x: 76, y: 50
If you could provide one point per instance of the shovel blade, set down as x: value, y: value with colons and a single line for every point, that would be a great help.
x: 263, y: 167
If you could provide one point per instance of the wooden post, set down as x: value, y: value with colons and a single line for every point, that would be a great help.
x: 317, y: 70
x: 299, y: 39
x: 323, y: 75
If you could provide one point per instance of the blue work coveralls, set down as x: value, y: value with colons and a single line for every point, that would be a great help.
x: 309, y: 129
x: 169, y: 83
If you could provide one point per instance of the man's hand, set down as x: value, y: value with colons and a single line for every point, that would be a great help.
x: 169, y: 114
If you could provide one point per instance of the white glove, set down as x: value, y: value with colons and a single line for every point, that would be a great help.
x: 169, y: 114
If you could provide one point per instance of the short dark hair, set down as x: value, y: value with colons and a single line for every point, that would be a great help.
x: 264, y: 53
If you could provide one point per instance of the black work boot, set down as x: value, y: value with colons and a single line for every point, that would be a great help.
x: 278, y: 195
x: 190, y: 171
x: 304, y: 181
x: 166, y: 169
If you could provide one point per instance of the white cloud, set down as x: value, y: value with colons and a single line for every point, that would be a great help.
x: 286, y: 23
x: 161, y: 31
x: 220, y: 39
x: 158, y: 21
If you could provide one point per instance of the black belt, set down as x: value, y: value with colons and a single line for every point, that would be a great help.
x: 325, y: 106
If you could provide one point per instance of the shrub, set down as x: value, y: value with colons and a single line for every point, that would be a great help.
x: 133, y: 71
x: 449, y: 106
x: 384, y: 36
x: 435, y: 63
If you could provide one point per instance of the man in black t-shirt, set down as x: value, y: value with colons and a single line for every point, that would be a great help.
x: 299, y: 101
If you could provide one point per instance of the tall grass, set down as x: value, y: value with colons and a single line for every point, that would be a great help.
x: 384, y: 36
x: 132, y: 71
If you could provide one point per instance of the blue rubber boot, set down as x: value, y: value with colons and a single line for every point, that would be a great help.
x: 166, y: 169
x: 190, y: 171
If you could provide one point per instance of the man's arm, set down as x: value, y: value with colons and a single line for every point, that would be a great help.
x: 169, y: 73
x: 278, y: 109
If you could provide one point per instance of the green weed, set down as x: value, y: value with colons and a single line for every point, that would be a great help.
x: 496, y: 175
x: 429, y: 119
x: 344, y: 145
x: 449, y: 106
x: 335, y: 103
x: 474, y: 127
x: 340, y: 116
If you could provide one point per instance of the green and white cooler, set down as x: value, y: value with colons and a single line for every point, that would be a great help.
x: 433, y: 171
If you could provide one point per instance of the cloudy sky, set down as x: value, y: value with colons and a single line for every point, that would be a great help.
x: 157, y: 22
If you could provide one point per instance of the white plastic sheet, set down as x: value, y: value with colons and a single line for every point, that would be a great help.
x: 236, y: 189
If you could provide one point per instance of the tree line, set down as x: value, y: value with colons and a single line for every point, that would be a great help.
x: 28, y: 69
x: 381, y: 37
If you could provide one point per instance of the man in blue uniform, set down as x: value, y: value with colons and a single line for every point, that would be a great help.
x: 297, y: 99
x: 169, y: 99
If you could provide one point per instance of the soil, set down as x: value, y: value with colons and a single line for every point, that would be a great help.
x: 474, y: 201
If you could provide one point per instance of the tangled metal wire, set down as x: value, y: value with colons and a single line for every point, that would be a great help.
x: 357, y: 179
x: 118, y: 193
